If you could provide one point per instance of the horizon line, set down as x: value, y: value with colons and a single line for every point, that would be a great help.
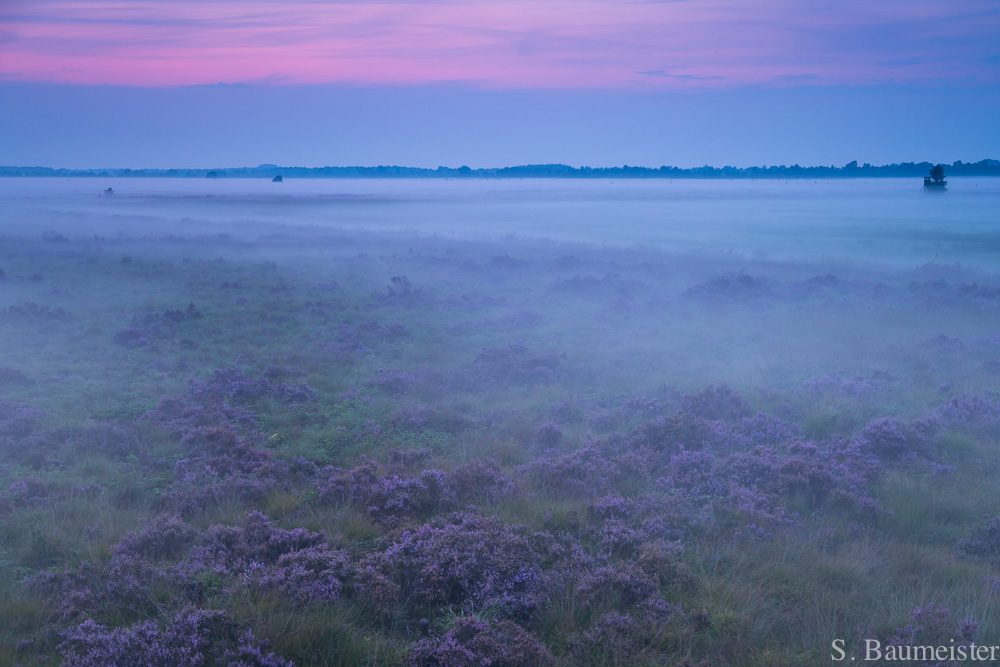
x: 537, y: 169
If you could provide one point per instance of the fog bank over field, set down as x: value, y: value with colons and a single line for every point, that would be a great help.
x: 881, y: 220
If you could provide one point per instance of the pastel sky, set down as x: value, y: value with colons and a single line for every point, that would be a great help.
x: 642, y: 61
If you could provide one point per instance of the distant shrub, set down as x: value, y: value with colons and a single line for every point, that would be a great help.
x: 514, y: 364
x: 716, y: 402
x: 984, y: 543
x: 30, y: 311
x: 548, y: 434
x: 12, y: 377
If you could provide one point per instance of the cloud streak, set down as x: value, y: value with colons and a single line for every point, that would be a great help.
x: 501, y: 44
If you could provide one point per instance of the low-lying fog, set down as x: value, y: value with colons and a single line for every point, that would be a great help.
x: 886, y: 220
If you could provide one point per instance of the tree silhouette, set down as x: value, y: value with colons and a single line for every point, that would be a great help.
x: 937, y: 173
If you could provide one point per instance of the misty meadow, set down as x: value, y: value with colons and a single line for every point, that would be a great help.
x: 496, y: 423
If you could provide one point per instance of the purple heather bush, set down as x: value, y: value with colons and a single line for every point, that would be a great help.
x: 17, y: 421
x: 464, y: 562
x: 472, y: 642
x: 759, y: 482
x: 164, y: 537
x: 192, y: 638
x: 582, y: 473
x: 975, y: 414
x: 391, y: 499
x: 25, y: 492
x: 891, y: 439
x: 234, y: 386
x: 257, y: 555
x: 169, y: 556
x: 764, y: 429
x: 685, y: 431
x: 182, y: 417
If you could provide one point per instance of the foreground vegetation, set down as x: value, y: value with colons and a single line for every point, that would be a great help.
x: 339, y: 449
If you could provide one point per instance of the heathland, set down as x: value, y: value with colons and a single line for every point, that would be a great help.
x: 255, y: 428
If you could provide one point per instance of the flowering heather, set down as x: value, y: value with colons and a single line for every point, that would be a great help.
x: 582, y: 473
x: 574, y: 498
x: 171, y: 557
x: 760, y: 481
x: 765, y: 429
x: 25, y: 492
x: 975, y: 414
x: 165, y: 537
x: 891, y: 439
x: 17, y: 421
x: 223, y: 466
x: 234, y: 386
x: 471, y: 642
x: 192, y: 638
x: 465, y: 562
x: 390, y: 498
x: 685, y: 431
x: 182, y: 417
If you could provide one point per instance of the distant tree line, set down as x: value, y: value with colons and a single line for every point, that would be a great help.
x: 850, y: 170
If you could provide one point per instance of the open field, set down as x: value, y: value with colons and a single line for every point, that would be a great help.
x: 239, y: 439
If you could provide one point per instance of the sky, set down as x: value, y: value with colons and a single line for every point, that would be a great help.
x: 215, y: 83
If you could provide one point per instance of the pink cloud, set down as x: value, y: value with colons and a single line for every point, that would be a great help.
x: 501, y: 44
